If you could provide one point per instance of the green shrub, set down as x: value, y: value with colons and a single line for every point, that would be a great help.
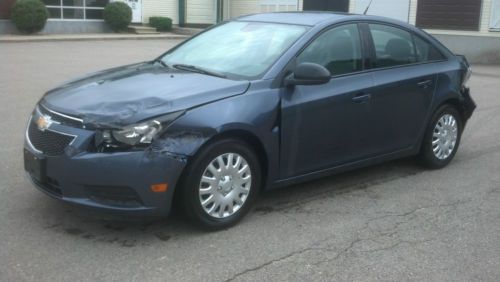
x: 117, y: 15
x: 161, y: 23
x: 29, y: 16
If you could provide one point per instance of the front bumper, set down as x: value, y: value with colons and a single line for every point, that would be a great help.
x: 116, y: 182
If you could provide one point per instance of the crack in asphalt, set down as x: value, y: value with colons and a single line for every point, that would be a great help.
x: 351, y: 245
x: 239, y: 274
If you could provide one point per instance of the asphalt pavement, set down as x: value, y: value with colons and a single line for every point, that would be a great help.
x: 395, y: 221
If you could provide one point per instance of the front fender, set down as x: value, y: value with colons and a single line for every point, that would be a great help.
x: 255, y: 113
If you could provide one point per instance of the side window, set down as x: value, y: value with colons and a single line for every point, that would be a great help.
x: 393, y: 46
x: 426, y: 52
x: 338, y: 50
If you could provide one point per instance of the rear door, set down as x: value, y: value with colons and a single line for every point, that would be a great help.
x: 404, y: 86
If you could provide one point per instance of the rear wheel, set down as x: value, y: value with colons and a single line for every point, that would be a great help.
x: 442, y: 138
x: 221, y: 184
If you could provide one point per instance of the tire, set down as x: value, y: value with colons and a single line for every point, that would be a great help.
x: 225, y: 186
x: 436, y: 160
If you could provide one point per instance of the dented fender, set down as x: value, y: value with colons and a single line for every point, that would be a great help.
x: 186, y: 135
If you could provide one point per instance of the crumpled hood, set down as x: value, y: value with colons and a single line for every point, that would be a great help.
x: 129, y: 94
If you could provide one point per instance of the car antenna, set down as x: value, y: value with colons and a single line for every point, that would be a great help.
x: 368, y: 7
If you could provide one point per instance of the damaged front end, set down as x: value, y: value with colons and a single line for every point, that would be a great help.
x: 108, y: 169
x: 106, y: 140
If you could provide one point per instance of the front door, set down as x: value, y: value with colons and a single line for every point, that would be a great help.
x: 326, y: 125
x: 136, y: 6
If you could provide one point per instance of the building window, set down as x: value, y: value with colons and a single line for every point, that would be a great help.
x: 76, y: 9
x: 449, y: 14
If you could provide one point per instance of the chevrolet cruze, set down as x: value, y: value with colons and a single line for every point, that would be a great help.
x: 259, y: 102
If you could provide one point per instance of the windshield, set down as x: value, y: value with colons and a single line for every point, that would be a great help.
x: 238, y: 50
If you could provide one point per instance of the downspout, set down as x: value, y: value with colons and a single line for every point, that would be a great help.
x: 182, y: 13
x: 220, y: 7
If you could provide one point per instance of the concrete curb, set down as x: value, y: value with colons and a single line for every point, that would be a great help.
x: 86, y: 37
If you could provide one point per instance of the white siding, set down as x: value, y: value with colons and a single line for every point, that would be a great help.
x: 396, y: 9
x: 242, y: 7
x: 162, y: 8
x: 200, y: 11
x: 495, y: 15
x: 236, y: 8
x: 353, y: 6
x: 413, y: 12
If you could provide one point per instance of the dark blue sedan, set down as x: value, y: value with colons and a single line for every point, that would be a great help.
x: 256, y: 103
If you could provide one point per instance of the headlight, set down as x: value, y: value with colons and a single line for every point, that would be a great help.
x: 141, y: 133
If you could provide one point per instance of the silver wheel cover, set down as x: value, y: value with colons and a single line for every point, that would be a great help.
x: 225, y: 185
x: 444, y: 137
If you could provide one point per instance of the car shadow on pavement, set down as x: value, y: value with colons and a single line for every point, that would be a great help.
x: 132, y: 231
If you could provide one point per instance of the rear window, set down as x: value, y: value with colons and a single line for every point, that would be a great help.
x: 426, y: 52
x: 397, y: 47
x: 393, y: 46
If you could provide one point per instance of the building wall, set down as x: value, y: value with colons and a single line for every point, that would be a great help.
x: 397, y: 9
x: 480, y: 47
x: 163, y: 8
x: 200, y: 11
x: 236, y: 8
x: 241, y: 7
x: 484, y: 27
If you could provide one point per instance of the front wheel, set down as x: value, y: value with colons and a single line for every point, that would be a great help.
x: 221, y: 184
x: 442, y: 138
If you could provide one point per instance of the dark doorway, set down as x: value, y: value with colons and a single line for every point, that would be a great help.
x: 326, y: 5
x: 5, y: 6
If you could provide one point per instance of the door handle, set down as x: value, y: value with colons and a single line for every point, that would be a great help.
x: 425, y: 84
x: 361, y: 98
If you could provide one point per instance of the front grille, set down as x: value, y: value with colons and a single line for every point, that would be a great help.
x: 48, y: 142
x: 60, y: 118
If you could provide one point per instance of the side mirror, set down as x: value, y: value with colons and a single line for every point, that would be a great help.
x: 308, y: 74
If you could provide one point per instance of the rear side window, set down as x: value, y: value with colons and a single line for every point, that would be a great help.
x: 338, y: 50
x: 426, y: 52
x: 393, y: 46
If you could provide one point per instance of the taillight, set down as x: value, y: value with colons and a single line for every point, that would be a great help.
x: 467, y: 76
x: 467, y: 70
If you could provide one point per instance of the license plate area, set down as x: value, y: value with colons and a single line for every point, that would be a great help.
x: 35, y: 166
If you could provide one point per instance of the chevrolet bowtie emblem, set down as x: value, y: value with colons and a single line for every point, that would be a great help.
x: 43, y: 122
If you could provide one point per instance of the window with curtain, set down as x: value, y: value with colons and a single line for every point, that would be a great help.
x: 76, y: 9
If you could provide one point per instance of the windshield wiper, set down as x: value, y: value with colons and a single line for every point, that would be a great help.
x: 161, y: 63
x: 198, y: 70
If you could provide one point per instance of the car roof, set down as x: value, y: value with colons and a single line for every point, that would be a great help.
x: 299, y: 18
x: 312, y: 18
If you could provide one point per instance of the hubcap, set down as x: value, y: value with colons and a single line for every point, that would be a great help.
x: 225, y: 185
x: 444, y: 138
